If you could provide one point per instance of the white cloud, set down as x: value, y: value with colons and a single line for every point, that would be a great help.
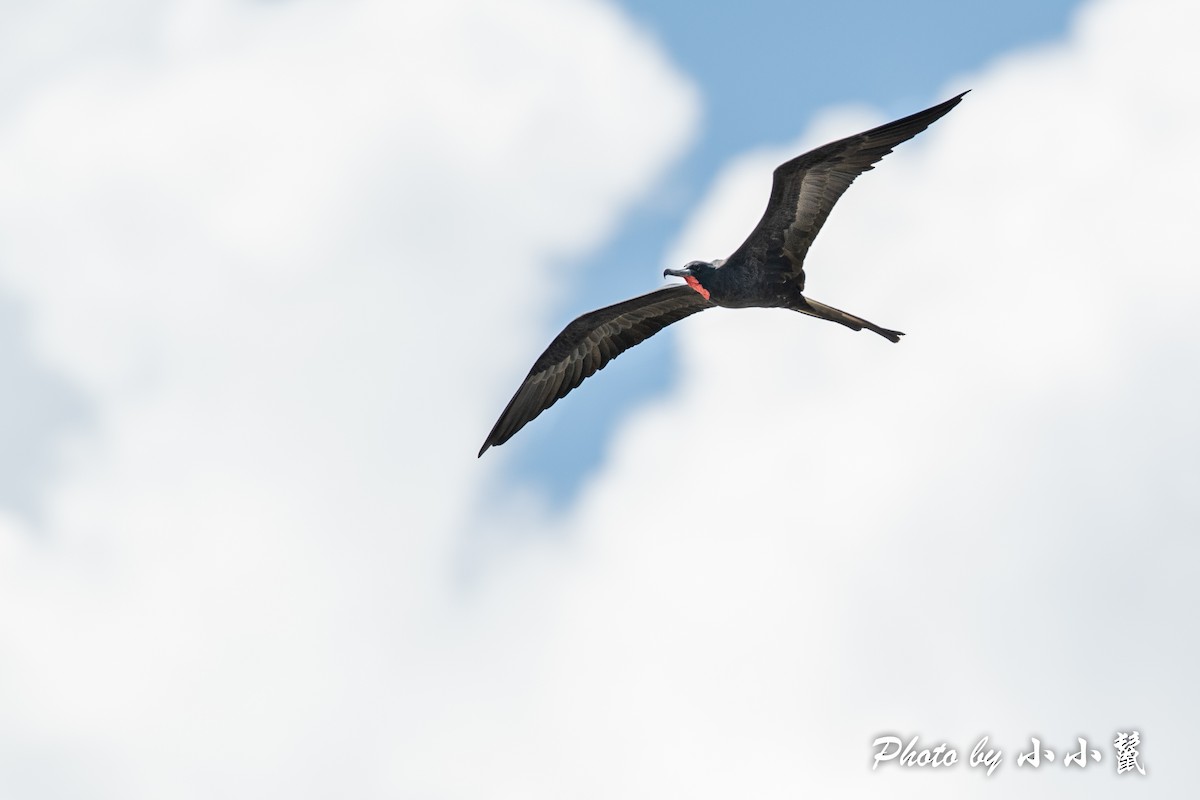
x: 285, y: 249
x: 821, y: 537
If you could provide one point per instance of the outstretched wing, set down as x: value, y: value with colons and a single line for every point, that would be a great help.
x: 588, y: 344
x: 805, y: 189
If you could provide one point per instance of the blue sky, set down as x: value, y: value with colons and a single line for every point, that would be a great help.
x: 763, y: 68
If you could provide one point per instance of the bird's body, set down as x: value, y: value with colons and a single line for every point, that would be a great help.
x: 767, y: 271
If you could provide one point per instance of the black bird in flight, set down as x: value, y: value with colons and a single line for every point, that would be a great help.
x: 767, y: 271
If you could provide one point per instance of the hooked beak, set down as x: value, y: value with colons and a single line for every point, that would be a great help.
x: 678, y: 273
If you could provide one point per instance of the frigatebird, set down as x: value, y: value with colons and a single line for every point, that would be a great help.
x: 767, y: 271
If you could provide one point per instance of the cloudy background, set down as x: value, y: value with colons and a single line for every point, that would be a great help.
x: 269, y: 270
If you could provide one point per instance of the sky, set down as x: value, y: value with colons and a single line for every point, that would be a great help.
x: 269, y: 271
x: 764, y: 68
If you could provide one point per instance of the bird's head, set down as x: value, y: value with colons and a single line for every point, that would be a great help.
x: 698, y: 274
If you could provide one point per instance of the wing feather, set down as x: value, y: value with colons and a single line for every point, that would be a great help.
x: 586, y: 346
x: 805, y: 189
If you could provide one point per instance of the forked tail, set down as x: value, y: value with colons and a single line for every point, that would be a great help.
x: 822, y: 311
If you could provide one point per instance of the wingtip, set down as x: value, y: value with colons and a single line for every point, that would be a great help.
x: 483, y: 449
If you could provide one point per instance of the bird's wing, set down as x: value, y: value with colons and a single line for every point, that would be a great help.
x: 804, y: 189
x: 588, y: 344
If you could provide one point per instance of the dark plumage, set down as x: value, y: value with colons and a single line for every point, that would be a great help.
x: 767, y: 271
